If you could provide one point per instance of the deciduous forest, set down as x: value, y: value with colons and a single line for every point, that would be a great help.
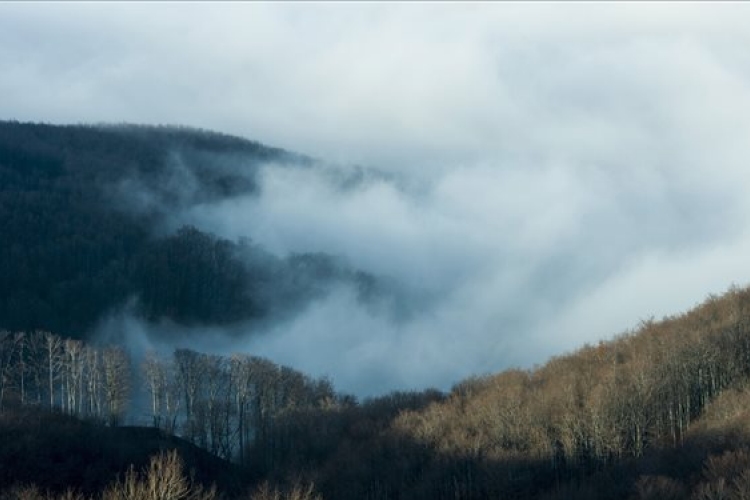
x: 662, y: 411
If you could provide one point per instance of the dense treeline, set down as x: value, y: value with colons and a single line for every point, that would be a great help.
x: 74, y: 244
x: 83, y: 215
x: 44, y: 369
x: 622, y: 419
x: 642, y: 416
x: 220, y: 404
x: 663, y: 411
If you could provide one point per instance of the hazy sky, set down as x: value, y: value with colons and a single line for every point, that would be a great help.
x: 560, y: 171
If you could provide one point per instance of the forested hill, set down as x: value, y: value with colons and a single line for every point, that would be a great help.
x: 662, y: 412
x: 82, y: 211
x: 659, y: 412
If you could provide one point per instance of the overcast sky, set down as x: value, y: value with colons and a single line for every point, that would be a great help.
x: 561, y: 171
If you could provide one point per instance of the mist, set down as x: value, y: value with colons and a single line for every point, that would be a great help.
x: 482, y: 268
x: 517, y: 180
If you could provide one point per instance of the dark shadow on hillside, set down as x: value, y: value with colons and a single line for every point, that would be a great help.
x: 57, y: 452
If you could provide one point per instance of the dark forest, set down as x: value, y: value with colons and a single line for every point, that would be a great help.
x: 661, y: 411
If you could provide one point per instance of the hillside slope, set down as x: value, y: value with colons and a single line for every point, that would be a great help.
x: 85, y: 219
x: 659, y: 412
x: 57, y: 452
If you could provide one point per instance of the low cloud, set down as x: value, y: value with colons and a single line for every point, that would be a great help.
x: 497, y: 266
x: 530, y: 176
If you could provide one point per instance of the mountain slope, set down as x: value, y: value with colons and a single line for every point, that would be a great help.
x: 83, y: 214
x: 658, y: 412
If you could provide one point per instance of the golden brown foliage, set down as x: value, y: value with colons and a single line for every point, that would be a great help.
x: 607, y: 403
x: 162, y: 480
x: 297, y: 492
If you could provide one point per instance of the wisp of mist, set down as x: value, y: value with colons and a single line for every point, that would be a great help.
x: 479, y: 268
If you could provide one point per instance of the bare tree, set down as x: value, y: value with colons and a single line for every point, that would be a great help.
x: 21, y: 365
x: 117, y: 375
x: 36, y: 363
x: 172, y: 400
x: 155, y: 371
x: 7, y: 356
x: 94, y: 382
x: 188, y: 371
x: 73, y: 369
x: 54, y: 352
x: 219, y: 388
x: 163, y: 479
x: 240, y: 369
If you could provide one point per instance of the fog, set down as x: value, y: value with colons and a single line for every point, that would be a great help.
x: 495, y: 267
x: 521, y: 178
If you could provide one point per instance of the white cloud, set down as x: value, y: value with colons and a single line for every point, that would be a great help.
x: 566, y: 170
